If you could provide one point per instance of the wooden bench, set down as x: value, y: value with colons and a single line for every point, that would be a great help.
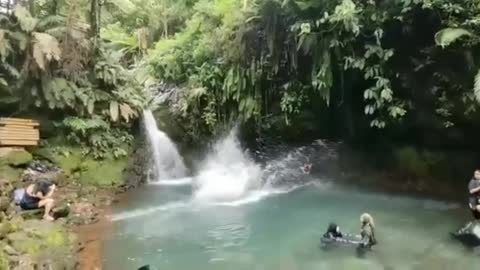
x: 18, y: 132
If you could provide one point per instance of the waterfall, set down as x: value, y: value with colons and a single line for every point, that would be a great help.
x: 168, y: 164
x: 227, y: 173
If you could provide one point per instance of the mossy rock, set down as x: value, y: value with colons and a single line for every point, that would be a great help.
x: 9, y: 173
x: 17, y: 158
x: 108, y: 172
x: 38, y: 236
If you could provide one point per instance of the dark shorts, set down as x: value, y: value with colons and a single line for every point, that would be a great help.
x: 29, y: 203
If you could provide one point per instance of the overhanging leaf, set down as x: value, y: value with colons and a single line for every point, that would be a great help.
x: 447, y: 36
x: 127, y: 112
x: 45, y: 48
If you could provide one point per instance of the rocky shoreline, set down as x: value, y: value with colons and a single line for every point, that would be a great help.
x: 28, y: 242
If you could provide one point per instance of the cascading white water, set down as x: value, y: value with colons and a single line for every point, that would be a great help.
x: 228, y: 173
x: 168, y: 164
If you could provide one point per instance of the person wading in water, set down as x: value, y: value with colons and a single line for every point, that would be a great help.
x: 474, y: 194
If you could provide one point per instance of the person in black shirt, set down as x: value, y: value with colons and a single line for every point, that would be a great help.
x: 333, y: 231
x: 474, y: 192
x: 39, y: 195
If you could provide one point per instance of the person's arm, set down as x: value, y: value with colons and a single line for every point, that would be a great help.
x: 50, y: 192
x: 472, y: 189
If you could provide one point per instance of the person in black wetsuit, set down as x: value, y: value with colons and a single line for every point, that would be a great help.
x: 333, y: 231
x: 39, y: 195
x: 474, y: 193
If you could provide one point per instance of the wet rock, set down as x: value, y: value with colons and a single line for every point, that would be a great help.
x: 30, y: 214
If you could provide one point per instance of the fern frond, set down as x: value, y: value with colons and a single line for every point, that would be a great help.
x: 50, y: 21
x: 45, y: 49
x: 476, y: 86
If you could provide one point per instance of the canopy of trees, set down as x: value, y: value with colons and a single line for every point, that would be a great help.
x: 349, y: 69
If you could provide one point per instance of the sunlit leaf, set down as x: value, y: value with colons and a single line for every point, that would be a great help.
x: 114, y: 110
x: 447, y: 36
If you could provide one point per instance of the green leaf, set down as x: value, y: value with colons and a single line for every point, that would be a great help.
x: 476, y: 86
x: 114, y: 110
x: 447, y: 36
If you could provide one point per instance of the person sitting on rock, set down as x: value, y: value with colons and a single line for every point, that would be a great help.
x: 39, y: 195
x: 474, y: 193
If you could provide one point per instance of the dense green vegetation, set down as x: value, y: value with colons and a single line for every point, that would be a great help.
x: 344, y: 69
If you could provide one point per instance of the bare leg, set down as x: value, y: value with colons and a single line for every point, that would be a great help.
x: 48, y: 204
x: 477, y: 208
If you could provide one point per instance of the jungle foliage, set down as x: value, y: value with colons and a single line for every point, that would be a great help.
x: 350, y: 69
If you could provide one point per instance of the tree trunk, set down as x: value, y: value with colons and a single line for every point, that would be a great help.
x: 54, y: 7
x: 95, y: 22
x: 31, y: 7
x: 165, y: 28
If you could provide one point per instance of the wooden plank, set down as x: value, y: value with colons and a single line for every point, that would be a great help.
x: 17, y: 119
x: 15, y: 123
x: 18, y: 142
x: 10, y: 128
x: 29, y: 138
x: 30, y: 123
x: 33, y: 132
x: 18, y: 126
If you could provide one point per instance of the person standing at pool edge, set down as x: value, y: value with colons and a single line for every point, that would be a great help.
x: 474, y: 192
